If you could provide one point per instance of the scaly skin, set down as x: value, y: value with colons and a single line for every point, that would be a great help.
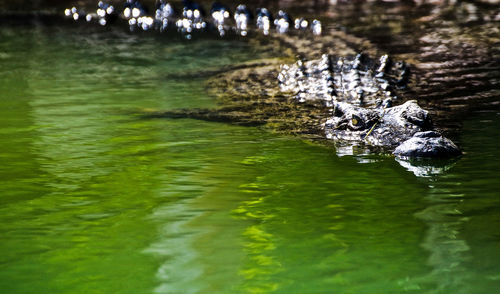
x: 361, y: 93
x: 348, y: 100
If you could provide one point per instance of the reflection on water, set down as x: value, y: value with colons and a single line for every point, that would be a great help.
x: 448, y: 251
x: 95, y: 199
x: 463, y: 205
x: 428, y: 168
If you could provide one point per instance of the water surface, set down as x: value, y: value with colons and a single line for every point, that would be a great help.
x: 96, y: 199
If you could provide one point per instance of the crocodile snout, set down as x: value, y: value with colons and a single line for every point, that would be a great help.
x: 428, y: 144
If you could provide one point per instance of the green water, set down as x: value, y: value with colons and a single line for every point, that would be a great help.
x: 96, y: 199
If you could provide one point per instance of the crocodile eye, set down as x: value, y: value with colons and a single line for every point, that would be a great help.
x: 356, y: 122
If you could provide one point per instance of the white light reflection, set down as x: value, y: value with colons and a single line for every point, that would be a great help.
x: 316, y: 27
x: 127, y: 12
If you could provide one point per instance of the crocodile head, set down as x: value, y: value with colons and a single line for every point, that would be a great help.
x: 404, y: 129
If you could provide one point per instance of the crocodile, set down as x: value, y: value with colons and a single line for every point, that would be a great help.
x: 346, y: 100
x: 326, y: 95
x: 360, y: 94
